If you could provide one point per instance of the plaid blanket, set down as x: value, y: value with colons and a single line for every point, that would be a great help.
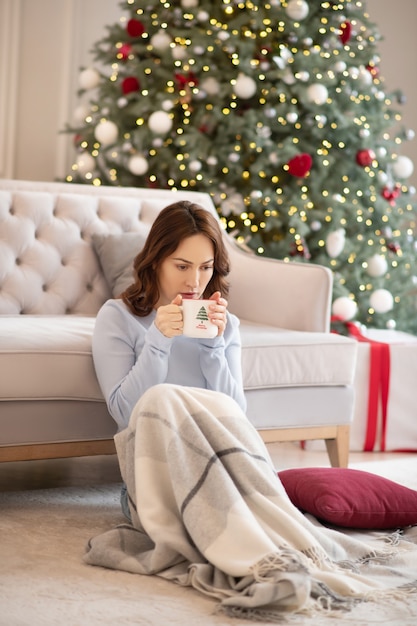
x: 208, y: 510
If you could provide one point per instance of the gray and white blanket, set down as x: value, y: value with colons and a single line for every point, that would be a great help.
x: 208, y: 510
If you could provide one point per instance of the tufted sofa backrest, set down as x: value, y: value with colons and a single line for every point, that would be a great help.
x: 47, y: 261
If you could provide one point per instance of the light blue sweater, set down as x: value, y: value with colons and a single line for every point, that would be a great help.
x: 130, y: 355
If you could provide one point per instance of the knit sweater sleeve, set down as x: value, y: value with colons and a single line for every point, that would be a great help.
x: 129, y: 358
x: 220, y: 361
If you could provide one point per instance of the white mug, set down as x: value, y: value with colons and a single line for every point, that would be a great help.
x: 196, y: 319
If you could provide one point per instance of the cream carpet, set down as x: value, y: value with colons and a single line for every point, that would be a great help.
x: 44, y: 582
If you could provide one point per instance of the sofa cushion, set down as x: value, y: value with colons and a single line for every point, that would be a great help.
x: 47, y: 357
x: 116, y: 254
x: 280, y: 358
x: 350, y: 498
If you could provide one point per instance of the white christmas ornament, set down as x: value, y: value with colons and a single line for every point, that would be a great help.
x: 340, y: 66
x: 365, y: 75
x: 89, y: 78
x: 303, y: 76
x: 233, y: 204
x: 80, y: 113
x: 189, y: 4
x: 381, y: 300
x: 315, y: 225
x: 211, y: 86
x: 167, y: 105
x: 179, y: 53
x: 377, y: 266
x: 335, y: 242
x: 292, y: 117
x: 106, y: 132
x: 317, y: 93
x: 344, y: 308
x: 138, y: 165
x: 289, y: 78
x: 354, y: 72
x: 245, y: 87
x: 297, y: 9
x: 85, y: 162
x: 160, y: 122
x: 161, y: 40
x: 195, y: 166
x: 403, y: 167
x: 212, y: 160
x: 223, y: 35
x: 383, y: 177
x: 271, y: 112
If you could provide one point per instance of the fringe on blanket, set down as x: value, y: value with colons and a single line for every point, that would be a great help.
x: 209, y: 511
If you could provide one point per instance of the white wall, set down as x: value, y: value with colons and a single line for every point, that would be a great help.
x: 43, y: 43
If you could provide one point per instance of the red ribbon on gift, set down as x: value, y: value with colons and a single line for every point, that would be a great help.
x: 379, y: 381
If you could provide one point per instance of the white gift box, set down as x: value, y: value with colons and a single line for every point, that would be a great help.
x: 398, y: 429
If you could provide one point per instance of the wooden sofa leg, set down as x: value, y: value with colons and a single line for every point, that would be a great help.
x: 338, y: 448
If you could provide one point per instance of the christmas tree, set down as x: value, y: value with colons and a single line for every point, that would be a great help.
x: 276, y: 109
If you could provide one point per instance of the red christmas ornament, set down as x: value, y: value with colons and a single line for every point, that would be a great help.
x: 345, y: 32
x: 300, y: 248
x: 365, y: 157
x: 130, y: 84
x: 186, y: 79
x: 392, y: 193
x: 135, y: 28
x: 300, y: 165
x: 124, y: 51
x: 394, y: 247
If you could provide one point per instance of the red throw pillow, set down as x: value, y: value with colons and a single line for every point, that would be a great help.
x: 350, y: 498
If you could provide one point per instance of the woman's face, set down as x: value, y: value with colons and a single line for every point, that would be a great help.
x: 187, y: 271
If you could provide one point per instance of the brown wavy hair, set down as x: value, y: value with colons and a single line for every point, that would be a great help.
x: 173, y: 224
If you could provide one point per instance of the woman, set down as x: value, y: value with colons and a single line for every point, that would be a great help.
x: 138, y: 340
x: 205, y: 503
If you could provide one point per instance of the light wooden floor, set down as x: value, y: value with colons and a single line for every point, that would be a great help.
x: 52, y: 473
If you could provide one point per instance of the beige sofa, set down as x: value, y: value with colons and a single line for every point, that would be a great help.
x: 60, y: 257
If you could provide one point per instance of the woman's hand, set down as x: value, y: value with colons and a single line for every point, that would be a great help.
x: 168, y: 318
x: 217, y: 312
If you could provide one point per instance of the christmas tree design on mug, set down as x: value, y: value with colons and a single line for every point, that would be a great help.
x: 196, y: 319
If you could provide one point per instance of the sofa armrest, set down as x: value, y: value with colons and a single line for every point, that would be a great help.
x: 290, y: 295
